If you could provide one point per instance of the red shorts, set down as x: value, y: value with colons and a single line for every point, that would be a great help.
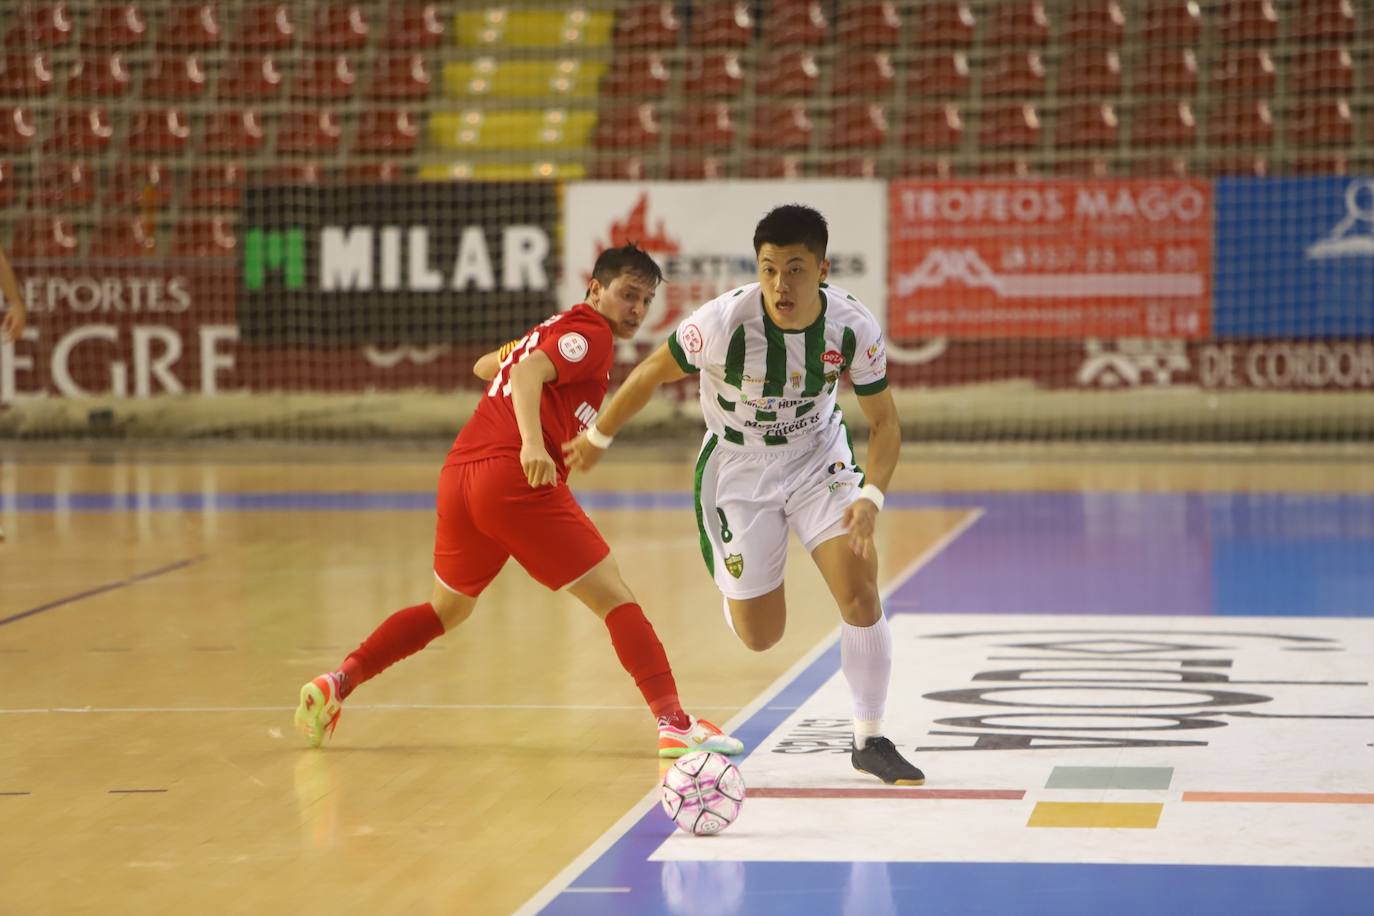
x: 488, y: 512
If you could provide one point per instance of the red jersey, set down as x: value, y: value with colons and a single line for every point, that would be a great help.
x: 582, y: 347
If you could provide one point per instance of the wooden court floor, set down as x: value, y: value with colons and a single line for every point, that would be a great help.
x: 160, y: 607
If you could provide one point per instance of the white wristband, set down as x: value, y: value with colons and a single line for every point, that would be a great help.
x: 871, y: 493
x: 598, y: 438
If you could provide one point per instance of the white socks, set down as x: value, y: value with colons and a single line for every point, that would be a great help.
x: 866, y: 659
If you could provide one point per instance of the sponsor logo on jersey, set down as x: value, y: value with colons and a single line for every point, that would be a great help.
x: 839, y: 485
x: 836, y: 467
x: 691, y: 339
x: 586, y: 414
x: 785, y: 428
x: 734, y: 564
x: 832, y: 358
x: 573, y: 346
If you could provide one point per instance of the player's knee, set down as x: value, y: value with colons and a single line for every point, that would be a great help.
x: 860, y: 607
x: 452, y: 608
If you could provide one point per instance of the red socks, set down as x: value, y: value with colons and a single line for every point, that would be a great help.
x: 643, y: 657
x: 401, y: 635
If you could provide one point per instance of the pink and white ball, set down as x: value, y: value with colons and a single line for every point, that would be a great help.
x: 703, y: 792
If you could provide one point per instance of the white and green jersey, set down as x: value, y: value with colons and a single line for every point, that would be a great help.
x: 763, y: 385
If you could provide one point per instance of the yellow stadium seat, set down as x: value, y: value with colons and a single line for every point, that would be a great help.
x: 500, y: 26
x: 503, y: 171
x: 553, y: 128
x: 523, y: 79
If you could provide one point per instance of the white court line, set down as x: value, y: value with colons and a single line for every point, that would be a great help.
x: 384, y: 706
x: 559, y: 883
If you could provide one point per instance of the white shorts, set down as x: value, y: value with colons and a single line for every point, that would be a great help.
x: 748, y: 497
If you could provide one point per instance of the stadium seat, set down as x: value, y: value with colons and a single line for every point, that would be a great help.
x: 530, y: 130
x: 1019, y: 73
x: 938, y: 75
x: 704, y: 125
x: 338, y: 27
x: 1006, y: 167
x: 1232, y: 164
x: 721, y: 23
x: 851, y: 167
x: 1319, y: 164
x: 1323, y: 20
x: 62, y: 183
x: 40, y: 25
x: 233, y: 131
x: 116, y: 27
x: 174, y: 77
x: 205, y: 238
x: 264, y: 27
x: 1247, y: 21
x: 383, y: 172
x: 1017, y: 23
x: 102, y: 76
x: 17, y: 128
x: 400, y: 76
x: 1321, y: 69
x: 772, y: 167
x: 26, y: 75
x: 387, y: 131
x: 523, y: 78
x: 216, y: 186
x: 6, y: 183
x: 784, y: 127
x: 869, y: 25
x: 1175, y: 23
x: 648, y: 25
x: 1090, y: 71
x: 1160, y: 167
x: 864, y: 75
x: 1086, y: 125
x: 618, y: 168
x: 43, y: 237
x: 1083, y: 166
x: 637, y: 75
x: 934, y: 127
x: 308, y: 132
x: 714, y: 75
x: 858, y: 127
x: 412, y: 26
x: 543, y: 27
x: 1244, y: 71
x: 787, y: 74
x: 137, y: 186
x: 1240, y: 122
x: 123, y: 237
x: 1320, y: 122
x: 289, y: 173
x: 193, y: 27
x: 1094, y: 22
x: 1167, y: 71
x: 1009, y: 127
x: 323, y: 79
x: 158, y: 130
x: 1163, y: 122
x: 697, y: 168
x: 250, y: 78
x: 80, y: 130
x: 940, y: 167
x: 795, y: 22
x: 628, y: 127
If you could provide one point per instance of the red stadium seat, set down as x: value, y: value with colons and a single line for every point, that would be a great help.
x: 402, y: 76
x: 618, y: 168
x: 934, y: 127
x: 725, y: 23
x: 214, y: 187
x: 870, y: 25
x: 1091, y: 71
x: 938, y: 75
x: 1240, y: 122
x: 1323, y: 20
x: 1006, y: 167
x: 633, y: 127
x: 6, y: 183
x: 413, y: 25
x: 648, y: 25
x: 1161, y: 167
x: 233, y: 131
x: 123, y: 237
x: 137, y: 186
x: 104, y: 76
x: 784, y: 127
x: 635, y: 75
x: 1083, y: 166
x: 1244, y: 71
x: 17, y: 129
x: 1167, y: 71
x: 175, y: 77
x: 696, y: 168
x: 708, y: 125
x: 43, y: 237
x: 1163, y: 122
x: 265, y: 27
x: 1321, y: 69
x: 858, y: 127
x: 772, y: 167
x: 118, y: 26
x: 81, y: 130
x: 865, y: 75
x: 713, y: 74
x: 155, y: 130
x: 40, y: 25
x: 205, y: 238
x: 796, y: 22
x: 249, y: 79
x: 852, y: 167
x: 190, y: 28
x: 1245, y: 21
x: 308, y: 132
x: 383, y: 172
x: 389, y: 131
x: 1320, y: 122
x: 1009, y: 127
x: 1090, y: 125
x: 323, y: 79
x: 62, y: 184
x: 944, y: 23
x: 291, y: 174
x: 941, y: 167
x: 1017, y: 23
x: 1319, y: 164
x: 26, y: 75
x: 1247, y: 165
x: 1172, y: 22
x: 1094, y: 22
x: 338, y: 28
x: 788, y: 74
x: 1020, y: 73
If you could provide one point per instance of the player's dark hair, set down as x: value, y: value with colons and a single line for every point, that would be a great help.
x: 793, y: 224
x: 630, y: 258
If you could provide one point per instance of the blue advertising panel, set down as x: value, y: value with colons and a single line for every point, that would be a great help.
x: 1294, y: 257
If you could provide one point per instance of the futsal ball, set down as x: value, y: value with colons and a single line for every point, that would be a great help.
x: 703, y: 792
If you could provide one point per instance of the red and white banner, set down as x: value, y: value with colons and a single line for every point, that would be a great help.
x: 1050, y: 259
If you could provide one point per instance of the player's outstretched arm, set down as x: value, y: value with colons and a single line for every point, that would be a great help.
x: 659, y: 368
x: 527, y: 381
x: 884, y: 445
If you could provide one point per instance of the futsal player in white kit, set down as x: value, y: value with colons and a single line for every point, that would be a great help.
x: 777, y: 456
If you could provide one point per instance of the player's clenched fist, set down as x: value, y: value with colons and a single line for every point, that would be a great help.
x: 579, y: 454
x: 539, y: 467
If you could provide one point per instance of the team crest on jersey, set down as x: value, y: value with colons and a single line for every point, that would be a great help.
x: 734, y: 564
x: 832, y: 358
x: 573, y: 346
x: 691, y: 339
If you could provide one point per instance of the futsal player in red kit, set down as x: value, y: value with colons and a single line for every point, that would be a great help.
x: 503, y: 493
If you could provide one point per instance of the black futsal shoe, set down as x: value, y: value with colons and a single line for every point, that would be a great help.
x: 880, y: 757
